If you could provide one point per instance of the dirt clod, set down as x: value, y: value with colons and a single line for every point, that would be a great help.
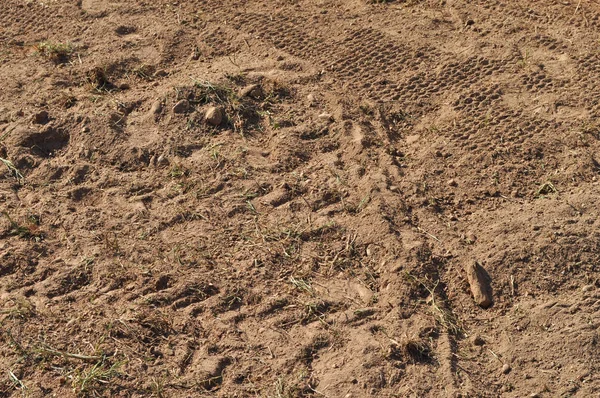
x: 182, y: 106
x: 41, y: 117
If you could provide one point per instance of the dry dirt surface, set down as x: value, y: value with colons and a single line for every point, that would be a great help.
x: 246, y: 198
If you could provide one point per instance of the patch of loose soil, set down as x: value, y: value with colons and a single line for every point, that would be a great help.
x: 281, y: 198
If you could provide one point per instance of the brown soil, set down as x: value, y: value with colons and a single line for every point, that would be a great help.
x: 246, y: 198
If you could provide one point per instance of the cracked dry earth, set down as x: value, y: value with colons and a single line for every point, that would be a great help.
x: 247, y: 198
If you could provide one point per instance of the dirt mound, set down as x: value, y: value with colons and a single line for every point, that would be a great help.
x: 280, y: 199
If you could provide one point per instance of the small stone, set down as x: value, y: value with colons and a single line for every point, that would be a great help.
x: 195, y: 55
x: 452, y: 183
x: 326, y: 116
x: 41, y: 117
x: 124, y: 86
x: 181, y: 107
x: 156, y: 108
x: 477, y: 340
x: 573, y: 308
x: 162, y: 161
x: 213, y: 116
x: 253, y: 91
x: 394, y: 188
x: 588, y: 288
x: 470, y: 238
x: 506, y: 368
x: 311, y: 99
x: 479, y: 281
x: 85, y: 129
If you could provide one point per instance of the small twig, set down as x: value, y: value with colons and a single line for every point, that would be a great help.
x: 318, y: 392
x: 6, y: 134
x: 512, y: 285
x: 495, y: 356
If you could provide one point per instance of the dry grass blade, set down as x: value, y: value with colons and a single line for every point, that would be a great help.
x: 13, y: 170
x: 17, y: 382
x: 48, y: 350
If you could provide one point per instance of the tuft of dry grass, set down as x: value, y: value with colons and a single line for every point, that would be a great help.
x: 56, y: 52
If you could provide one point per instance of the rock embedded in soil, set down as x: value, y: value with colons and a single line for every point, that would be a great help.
x: 213, y: 116
x: 253, y: 91
x: 479, y: 281
x: 156, y: 108
x: 587, y: 288
x: 506, y: 368
x: 326, y: 116
x: 181, y: 107
x: 162, y: 161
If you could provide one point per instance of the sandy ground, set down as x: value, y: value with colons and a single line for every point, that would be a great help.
x: 245, y: 198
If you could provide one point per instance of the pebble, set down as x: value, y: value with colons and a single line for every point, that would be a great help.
x: 311, y: 99
x: 470, y: 237
x: 253, y: 91
x: 506, y: 368
x: 181, y: 107
x: 452, y: 183
x: 162, y: 161
x: 195, y: 55
x: 479, y: 283
x: 326, y: 116
x: 213, y: 116
x: 156, y: 108
x: 587, y: 288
